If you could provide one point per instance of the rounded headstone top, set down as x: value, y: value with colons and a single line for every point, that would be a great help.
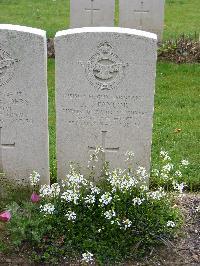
x: 23, y: 29
x: 107, y: 30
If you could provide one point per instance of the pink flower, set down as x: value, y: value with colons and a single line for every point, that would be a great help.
x: 5, y: 216
x: 35, y: 197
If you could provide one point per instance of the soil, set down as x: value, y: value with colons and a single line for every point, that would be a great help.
x: 183, y: 251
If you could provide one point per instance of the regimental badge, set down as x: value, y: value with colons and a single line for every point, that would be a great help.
x: 7, y: 66
x: 105, y: 69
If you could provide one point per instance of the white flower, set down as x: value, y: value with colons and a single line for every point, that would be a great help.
x: 168, y: 167
x: 87, y: 257
x: 106, y: 198
x: 127, y: 223
x: 94, y: 189
x: 55, y: 189
x: 178, y: 187
x: 50, y: 191
x: 75, y: 181
x: 137, y: 201
x: 156, y: 195
x: 45, y: 191
x: 141, y: 171
x: 155, y: 172
x: 121, y: 180
x: 47, y: 208
x: 164, y: 155
x: 185, y: 162
x: 34, y: 178
x: 144, y: 188
x: 171, y: 224
x: 109, y: 214
x: 178, y: 173
x: 70, y: 196
x: 164, y: 175
x: 71, y: 216
x: 90, y: 199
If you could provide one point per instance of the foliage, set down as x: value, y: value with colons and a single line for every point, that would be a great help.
x: 169, y: 175
x: 182, y: 50
x: 115, y: 219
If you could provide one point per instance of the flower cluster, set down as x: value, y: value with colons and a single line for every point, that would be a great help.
x: 156, y: 195
x: 47, y: 208
x: 71, y: 216
x: 34, y: 178
x: 122, y: 181
x: 51, y: 191
x: 109, y: 214
x: 126, y: 223
x: 168, y: 173
x: 87, y: 257
x: 105, y: 199
x: 171, y: 224
x: 70, y: 196
x: 138, y: 201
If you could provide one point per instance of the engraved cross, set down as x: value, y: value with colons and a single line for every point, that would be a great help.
x: 92, y: 10
x: 3, y: 146
x: 142, y: 12
x: 103, y: 145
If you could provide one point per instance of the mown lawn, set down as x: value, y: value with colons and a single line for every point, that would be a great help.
x: 177, y: 116
x: 181, y: 16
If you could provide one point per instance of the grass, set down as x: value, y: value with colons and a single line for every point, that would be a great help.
x: 177, y: 86
x: 176, y: 119
x: 53, y: 15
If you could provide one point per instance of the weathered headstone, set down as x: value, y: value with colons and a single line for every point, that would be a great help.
x: 147, y: 15
x: 105, y: 94
x: 92, y: 13
x: 23, y: 103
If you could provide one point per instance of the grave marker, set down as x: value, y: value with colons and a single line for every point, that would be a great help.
x: 92, y: 13
x: 104, y: 95
x: 23, y: 103
x: 147, y: 15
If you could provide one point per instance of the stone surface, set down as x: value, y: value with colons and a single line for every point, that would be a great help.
x: 23, y: 103
x: 105, y: 94
x: 92, y: 13
x: 147, y: 15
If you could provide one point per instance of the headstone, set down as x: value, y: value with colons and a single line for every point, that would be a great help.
x: 105, y: 94
x: 147, y: 15
x: 23, y: 103
x: 92, y: 13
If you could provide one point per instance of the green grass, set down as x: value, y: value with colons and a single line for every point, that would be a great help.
x: 181, y: 16
x: 177, y: 107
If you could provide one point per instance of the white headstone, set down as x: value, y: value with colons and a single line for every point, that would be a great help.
x: 92, y: 13
x: 147, y: 15
x: 105, y: 94
x: 23, y: 103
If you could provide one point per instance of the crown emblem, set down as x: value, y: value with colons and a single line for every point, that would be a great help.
x: 105, y: 69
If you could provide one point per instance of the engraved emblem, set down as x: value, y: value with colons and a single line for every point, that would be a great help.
x: 105, y: 69
x: 7, y: 67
